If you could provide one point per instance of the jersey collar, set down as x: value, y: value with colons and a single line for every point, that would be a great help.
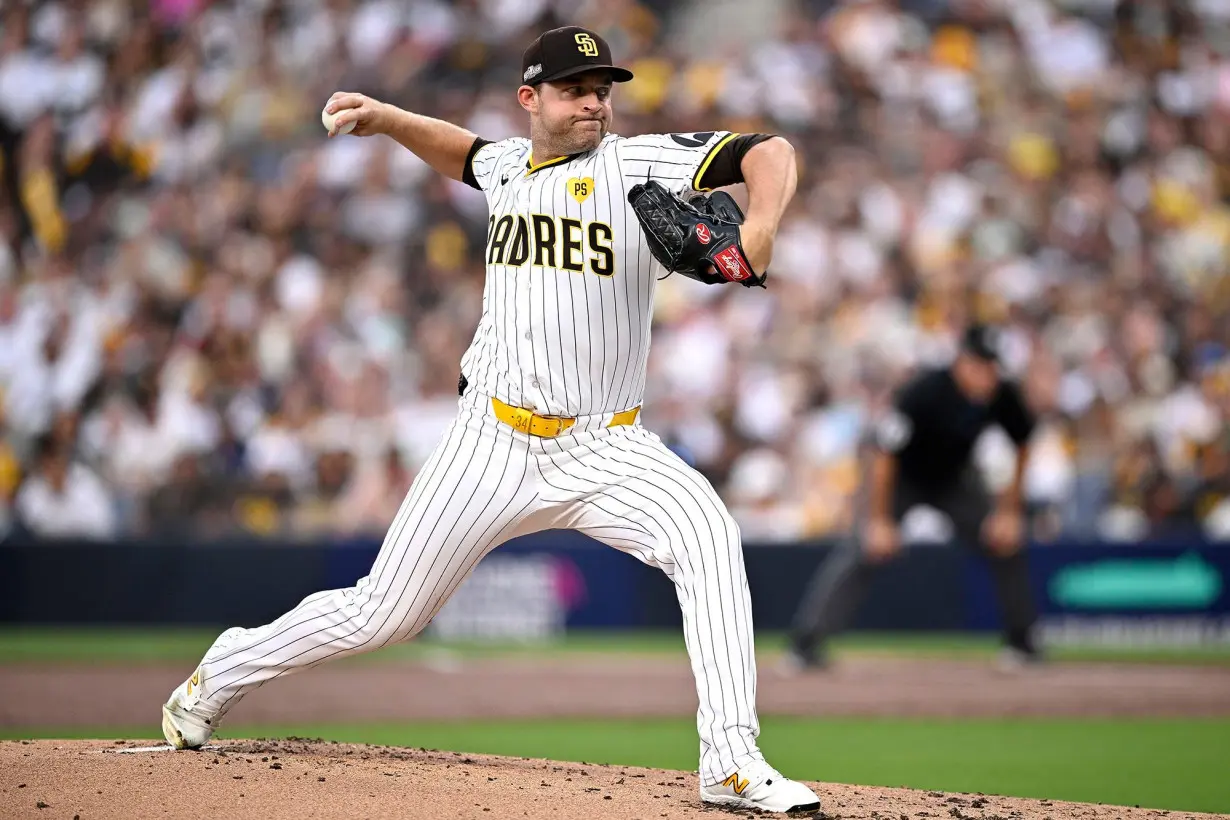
x: 530, y: 167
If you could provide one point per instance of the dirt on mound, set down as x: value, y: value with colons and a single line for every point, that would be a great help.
x: 278, y: 780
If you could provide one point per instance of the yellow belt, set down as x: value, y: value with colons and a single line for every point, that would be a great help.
x: 530, y: 422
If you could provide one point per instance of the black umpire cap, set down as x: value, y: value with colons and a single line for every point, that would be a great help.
x: 562, y: 52
x: 981, y: 341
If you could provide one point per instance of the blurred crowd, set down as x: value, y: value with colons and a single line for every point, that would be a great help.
x: 215, y: 321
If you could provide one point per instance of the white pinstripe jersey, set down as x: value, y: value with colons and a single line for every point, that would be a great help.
x: 570, y: 282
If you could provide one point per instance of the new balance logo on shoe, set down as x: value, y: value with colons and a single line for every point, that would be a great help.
x: 735, y: 783
x: 757, y: 785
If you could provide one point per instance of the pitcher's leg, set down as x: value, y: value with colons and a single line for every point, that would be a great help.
x: 474, y: 493
x: 637, y: 496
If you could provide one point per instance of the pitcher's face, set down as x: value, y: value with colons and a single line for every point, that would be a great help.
x: 575, y: 113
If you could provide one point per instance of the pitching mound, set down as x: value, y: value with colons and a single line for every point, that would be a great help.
x: 273, y: 780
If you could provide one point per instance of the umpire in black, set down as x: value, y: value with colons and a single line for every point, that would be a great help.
x: 921, y: 454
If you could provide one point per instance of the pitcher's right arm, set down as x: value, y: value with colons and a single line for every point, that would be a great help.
x: 445, y: 147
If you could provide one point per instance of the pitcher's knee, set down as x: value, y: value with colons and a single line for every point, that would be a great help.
x: 717, y: 533
x: 375, y: 618
x: 725, y: 529
x: 369, y: 622
x: 369, y: 631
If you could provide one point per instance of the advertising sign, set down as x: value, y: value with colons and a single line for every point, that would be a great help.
x: 1099, y: 594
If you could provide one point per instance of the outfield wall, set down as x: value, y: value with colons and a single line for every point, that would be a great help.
x: 538, y: 585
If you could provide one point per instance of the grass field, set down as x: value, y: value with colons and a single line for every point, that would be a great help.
x: 1165, y: 764
x: 117, y: 645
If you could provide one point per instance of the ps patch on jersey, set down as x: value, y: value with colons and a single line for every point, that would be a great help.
x: 580, y: 189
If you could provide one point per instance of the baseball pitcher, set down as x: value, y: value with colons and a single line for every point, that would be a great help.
x: 582, y: 224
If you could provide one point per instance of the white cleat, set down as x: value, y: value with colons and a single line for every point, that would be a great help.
x: 760, y: 786
x: 182, y: 728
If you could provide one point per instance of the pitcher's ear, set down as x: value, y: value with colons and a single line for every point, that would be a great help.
x: 527, y: 95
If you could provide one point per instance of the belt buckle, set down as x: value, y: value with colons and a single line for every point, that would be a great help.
x: 553, y: 424
x: 524, y: 420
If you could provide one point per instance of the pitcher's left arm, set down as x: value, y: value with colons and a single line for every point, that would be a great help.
x: 770, y: 174
x: 765, y: 163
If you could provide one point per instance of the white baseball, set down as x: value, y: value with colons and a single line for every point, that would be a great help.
x: 328, y: 119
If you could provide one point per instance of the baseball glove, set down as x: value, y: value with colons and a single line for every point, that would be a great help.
x: 698, y: 238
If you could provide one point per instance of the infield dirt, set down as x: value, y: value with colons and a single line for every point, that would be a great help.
x: 285, y: 780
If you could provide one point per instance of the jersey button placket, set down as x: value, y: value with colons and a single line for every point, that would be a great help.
x: 523, y: 201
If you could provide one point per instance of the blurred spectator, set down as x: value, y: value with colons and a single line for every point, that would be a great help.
x: 237, y: 324
x: 371, y: 499
x: 63, y: 498
x: 10, y: 478
x: 186, y: 503
x: 316, y: 511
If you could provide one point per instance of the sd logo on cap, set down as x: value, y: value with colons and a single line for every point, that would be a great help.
x: 562, y: 52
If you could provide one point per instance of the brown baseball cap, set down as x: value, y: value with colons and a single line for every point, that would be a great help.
x: 562, y: 52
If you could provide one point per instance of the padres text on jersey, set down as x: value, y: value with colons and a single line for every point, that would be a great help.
x: 568, y: 299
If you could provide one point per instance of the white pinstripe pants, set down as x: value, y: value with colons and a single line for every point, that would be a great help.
x: 485, y: 484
